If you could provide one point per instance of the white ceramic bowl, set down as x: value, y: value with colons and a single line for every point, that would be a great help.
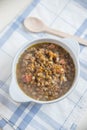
x: 69, y: 45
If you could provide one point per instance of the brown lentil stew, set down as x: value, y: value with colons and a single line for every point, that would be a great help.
x: 45, y: 71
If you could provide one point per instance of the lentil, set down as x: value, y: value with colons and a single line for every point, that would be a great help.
x: 45, y: 71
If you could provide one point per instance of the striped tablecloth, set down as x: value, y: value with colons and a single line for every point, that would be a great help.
x: 66, y: 15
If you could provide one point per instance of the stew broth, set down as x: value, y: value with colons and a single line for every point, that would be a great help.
x: 45, y: 71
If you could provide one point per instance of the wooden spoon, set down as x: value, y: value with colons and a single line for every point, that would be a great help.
x: 34, y: 24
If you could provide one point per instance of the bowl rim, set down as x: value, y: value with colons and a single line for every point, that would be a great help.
x: 58, y: 42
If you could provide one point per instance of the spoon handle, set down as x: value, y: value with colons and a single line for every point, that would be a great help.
x: 65, y: 35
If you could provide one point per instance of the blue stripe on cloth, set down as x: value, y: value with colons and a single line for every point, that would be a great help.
x: 25, y: 34
x: 10, y: 105
x: 84, y: 64
x: 28, y: 35
x: 85, y: 36
x: 34, y: 124
x: 76, y: 105
x: 83, y: 74
x: 19, y: 111
x: 15, y: 25
x: 29, y: 116
x: 82, y: 3
x: 38, y: 126
x: 27, y: 11
x: 81, y: 47
x: 73, y: 126
x: 81, y: 30
x: 5, y: 88
x: 1, y: 83
x: 50, y: 121
x: 2, y: 123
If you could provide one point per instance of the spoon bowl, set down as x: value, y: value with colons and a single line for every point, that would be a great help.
x: 34, y: 24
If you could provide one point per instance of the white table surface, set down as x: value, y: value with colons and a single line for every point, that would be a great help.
x: 9, y: 9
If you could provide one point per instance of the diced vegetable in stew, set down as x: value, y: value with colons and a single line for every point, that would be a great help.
x: 45, y: 71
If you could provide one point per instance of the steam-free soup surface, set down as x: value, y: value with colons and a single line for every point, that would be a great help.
x: 45, y: 71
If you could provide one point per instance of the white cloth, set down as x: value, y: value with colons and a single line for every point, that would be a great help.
x: 66, y: 15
